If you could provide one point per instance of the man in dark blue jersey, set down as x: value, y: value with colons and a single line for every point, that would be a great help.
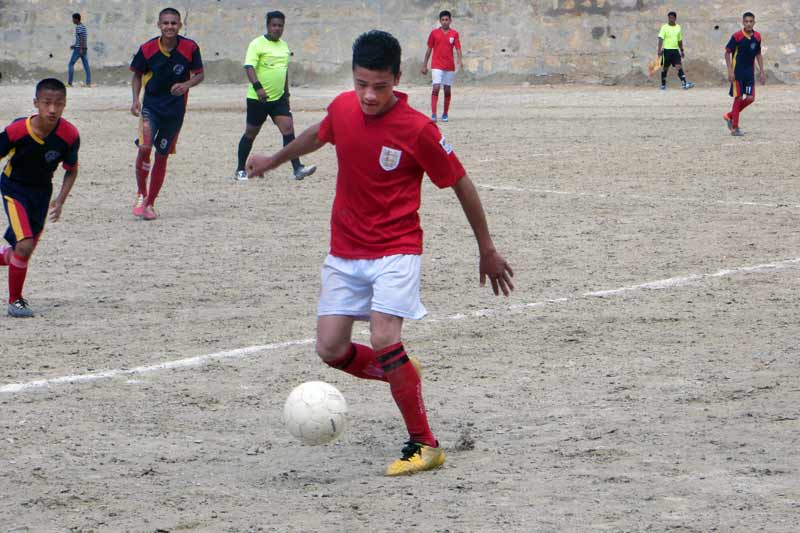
x: 741, y: 52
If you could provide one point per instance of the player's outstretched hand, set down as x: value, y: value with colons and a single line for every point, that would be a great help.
x: 424, y: 69
x: 763, y: 77
x: 258, y: 164
x: 136, y: 108
x: 498, y: 271
x: 55, y: 210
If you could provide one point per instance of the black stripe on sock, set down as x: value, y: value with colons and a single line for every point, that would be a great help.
x: 385, y: 357
x: 396, y: 364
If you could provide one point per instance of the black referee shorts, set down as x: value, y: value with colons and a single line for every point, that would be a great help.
x: 670, y: 57
x: 258, y: 111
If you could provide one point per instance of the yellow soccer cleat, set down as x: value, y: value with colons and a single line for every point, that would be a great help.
x: 416, y: 458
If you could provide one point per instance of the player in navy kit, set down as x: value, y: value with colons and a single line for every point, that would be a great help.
x: 166, y: 67
x: 741, y: 52
x: 35, y: 146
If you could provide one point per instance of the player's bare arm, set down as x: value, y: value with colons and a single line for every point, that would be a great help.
x: 460, y: 61
x: 492, y: 264
x: 305, y: 143
x: 680, y: 45
x: 660, y: 45
x: 253, y: 79
x: 136, y: 89
x: 730, y: 66
x: 180, y: 89
x: 424, y: 69
x: 762, y: 76
x: 66, y: 186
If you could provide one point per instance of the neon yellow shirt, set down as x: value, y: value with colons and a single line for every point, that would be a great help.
x: 270, y: 60
x: 671, y: 35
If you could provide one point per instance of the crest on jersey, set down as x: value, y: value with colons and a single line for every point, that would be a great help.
x: 52, y: 156
x: 452, y: 40
x: 752, y: 46
x: 390, y: 158
x: 178, y: 70
x: 446, y: 146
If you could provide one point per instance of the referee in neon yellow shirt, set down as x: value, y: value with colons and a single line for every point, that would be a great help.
x: 670, y: 41
x: 267, y: 68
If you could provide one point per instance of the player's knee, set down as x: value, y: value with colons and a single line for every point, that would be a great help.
x: 24, y: 248
x: 749, y: 99
x: 382, y: 339
x: 144, y: 150
x: 447, y: 90
x: 329, y: 351
x: 435, y: 89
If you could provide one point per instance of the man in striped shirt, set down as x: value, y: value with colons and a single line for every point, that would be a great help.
x: 79, y: 50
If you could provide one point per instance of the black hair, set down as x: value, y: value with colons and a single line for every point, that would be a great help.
x: 445, y: 13
x: 275, y: 15
x: 169, y: 11
x: 377, y: 50
x: 50, y: 84
x: 76, y: 16
x: 748, y: 14
x: 672, y: 14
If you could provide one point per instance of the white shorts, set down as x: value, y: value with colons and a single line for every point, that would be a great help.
x: 355, y: 287
x: 443, y: 77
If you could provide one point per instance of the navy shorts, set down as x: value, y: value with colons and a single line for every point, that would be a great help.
x: 26, y: 209
x: 159, y: 131
x: 743, y: 88
x: 258, y: 111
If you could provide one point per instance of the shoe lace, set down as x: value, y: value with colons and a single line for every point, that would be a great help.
x: 410, y: 450
x: 21, y: 303
x: 139, y: 200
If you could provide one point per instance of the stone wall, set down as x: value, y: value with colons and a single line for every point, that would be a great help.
x: 535, y: 41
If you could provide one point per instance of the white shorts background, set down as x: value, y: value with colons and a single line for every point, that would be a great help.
x: 355, y: 287
x: 443, y: 77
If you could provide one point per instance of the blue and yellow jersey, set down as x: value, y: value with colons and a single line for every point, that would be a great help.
x: 32, y: 160
x: 161, y: 70
x: 744, y: 50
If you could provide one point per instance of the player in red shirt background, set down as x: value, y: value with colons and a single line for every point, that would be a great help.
x: 35, y: 146
x: 442, y: 41
x: 383, y: 147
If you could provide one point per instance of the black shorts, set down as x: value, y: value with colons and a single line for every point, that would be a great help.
x: 26, y: 209
x: 163, y: 131
x: 258, y: 111
x: 670, y: 57
x: 743, y: 88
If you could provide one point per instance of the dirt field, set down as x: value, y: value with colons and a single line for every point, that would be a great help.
x: 643, y: 376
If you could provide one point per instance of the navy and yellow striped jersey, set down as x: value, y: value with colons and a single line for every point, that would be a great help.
x: 744, y: 50
x: 162, y: 69
x: 32, y: 160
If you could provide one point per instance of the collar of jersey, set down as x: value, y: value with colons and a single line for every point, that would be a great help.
x: 31, y: 132
x: 164, y: 50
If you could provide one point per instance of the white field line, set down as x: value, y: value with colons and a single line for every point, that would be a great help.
x: 239, y: 353
x: 687, y: 199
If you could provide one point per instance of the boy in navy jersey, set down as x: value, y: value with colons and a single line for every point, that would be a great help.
x: 35, y: 146
x: 383, y: 147
x: 166, y: 67
x: 742, y: 50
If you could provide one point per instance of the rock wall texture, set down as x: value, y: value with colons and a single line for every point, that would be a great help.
x: 515, y: 41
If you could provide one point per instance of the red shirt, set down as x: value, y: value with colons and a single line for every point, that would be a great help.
x: 442, y: 44
x: 381, y: 161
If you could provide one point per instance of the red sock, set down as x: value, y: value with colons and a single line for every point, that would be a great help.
x: 407, y: 392
x: 157, y: 178
x: 446, y: 103
x: 746, y: 102
x: 737, y: 107
x: 142, y: 170
x: 5, y: 255
x: 434, y: 102
x: 17, y: 270
x: 360, y: 362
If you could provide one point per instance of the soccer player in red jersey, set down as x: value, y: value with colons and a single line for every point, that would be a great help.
x: 383, y: 147
x: 442, y: 41
x: 166, y: 67
x: 35, y: 146
x: 742, y: 50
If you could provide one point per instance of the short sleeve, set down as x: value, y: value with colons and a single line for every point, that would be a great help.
x: 5, y: 144
x: 457, y: 44
x: 139, y: 63
x: 731, y: 46
x: 431, y: 40
x: 325, y: 133
x: 437, y: 158
x: 251, y: 57
x: 680, y: 35
x: 71, y: 158
x: 662, y: 34
x: 197, y: 61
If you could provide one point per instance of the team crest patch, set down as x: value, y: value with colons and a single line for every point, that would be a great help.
x: 178, y: 70
x: 390, y: 158
x: 452, y: 40
x: 52, y: 156
x: 447, y: 147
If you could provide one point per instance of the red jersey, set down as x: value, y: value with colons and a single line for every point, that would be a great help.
x: 442, y: 44
x: 381, y: 161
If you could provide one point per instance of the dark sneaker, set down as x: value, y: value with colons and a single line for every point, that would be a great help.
x: 688, y: 85
x: 240, y: 175
x: 433, y: 118
x: 445, y: 118
x: 304, y: 172
x: 663, y: 87
x: 20, y: 309
x: 416, y: 457
x: 728, y: 121
x: 737, y: 133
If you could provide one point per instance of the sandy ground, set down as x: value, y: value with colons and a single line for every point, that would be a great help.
x: 668, y: 403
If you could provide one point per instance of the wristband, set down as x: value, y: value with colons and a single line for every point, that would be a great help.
x: 257, y: 85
